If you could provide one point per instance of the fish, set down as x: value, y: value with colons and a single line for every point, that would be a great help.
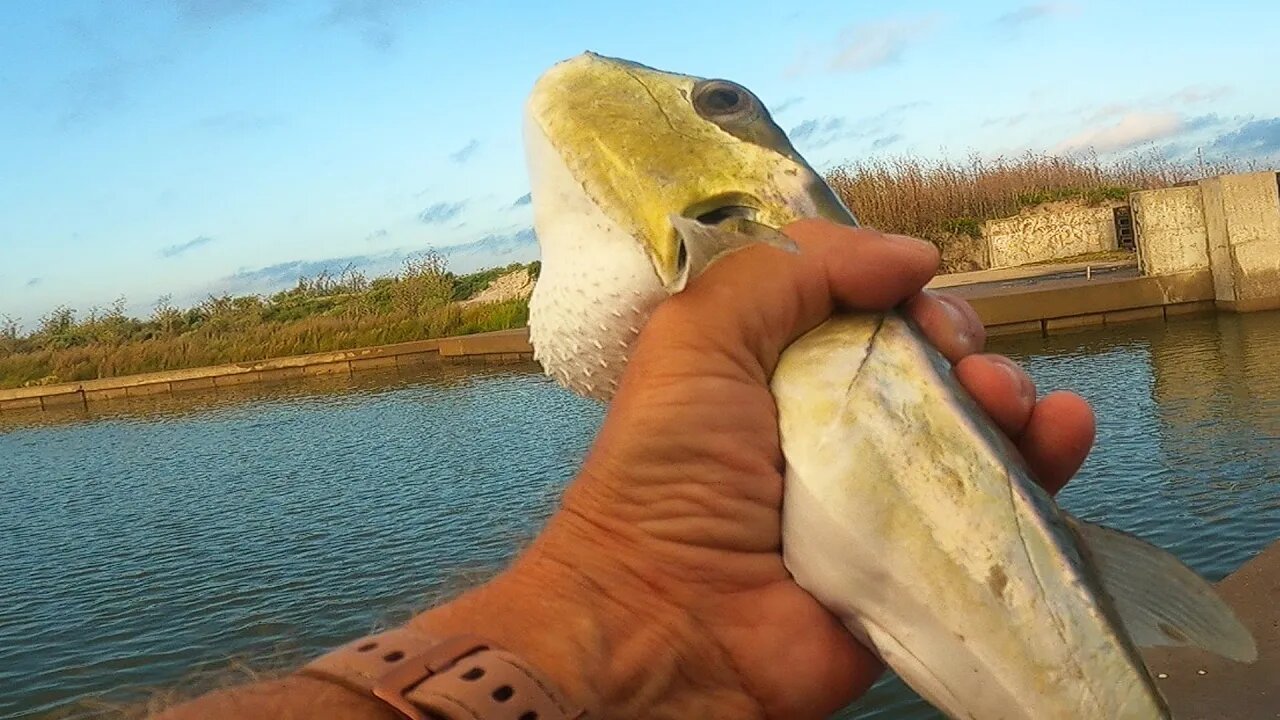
x: 906, y: 512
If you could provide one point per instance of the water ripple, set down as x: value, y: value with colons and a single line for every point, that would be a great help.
x: 144, y: 541
x: 138, y: 546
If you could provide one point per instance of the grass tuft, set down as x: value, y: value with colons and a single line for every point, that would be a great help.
x: 318, y: 314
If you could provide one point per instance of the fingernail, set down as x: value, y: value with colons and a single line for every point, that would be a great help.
x: 911, y: 242
x: 960, y: 321
x: 1025, y: 388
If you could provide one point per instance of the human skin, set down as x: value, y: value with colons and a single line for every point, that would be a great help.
x: 657, y: 589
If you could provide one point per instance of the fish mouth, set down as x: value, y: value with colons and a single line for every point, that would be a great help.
x: 720, y: 211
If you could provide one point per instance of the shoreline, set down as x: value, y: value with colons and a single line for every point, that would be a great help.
x: 502, y: 346
x: 1047, y: 299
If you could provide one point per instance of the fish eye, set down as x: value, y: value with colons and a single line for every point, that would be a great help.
x: 722, y: 100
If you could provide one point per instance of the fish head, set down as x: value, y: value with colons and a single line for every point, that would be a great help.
x: 640, y: 179
x: 653, y: 148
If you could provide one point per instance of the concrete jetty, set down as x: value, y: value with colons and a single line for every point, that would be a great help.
x: 1202, y: 686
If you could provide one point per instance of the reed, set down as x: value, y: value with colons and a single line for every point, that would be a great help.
x: 937, y: 199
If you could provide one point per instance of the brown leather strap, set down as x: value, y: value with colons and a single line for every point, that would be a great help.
x: 459, y: 678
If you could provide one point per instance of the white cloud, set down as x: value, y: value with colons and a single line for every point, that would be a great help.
x: 1134, y: 128
x: 1195, y: 94
x: 872, y: 44
x: 1027, y: 14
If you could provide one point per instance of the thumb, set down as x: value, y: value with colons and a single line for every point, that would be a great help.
x: 752, y: 304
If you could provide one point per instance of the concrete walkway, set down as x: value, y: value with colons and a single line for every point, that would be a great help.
x: 1026, y: 274
x: 1202, y: 686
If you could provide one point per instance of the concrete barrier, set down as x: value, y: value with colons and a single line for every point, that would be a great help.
x: 1242, y: 218
x: 1170, y: 230
x: 1068, y: 304
x: 1228, y: 224
x: 496, y: 347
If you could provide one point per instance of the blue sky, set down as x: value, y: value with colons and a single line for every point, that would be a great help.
x: 185, y: 147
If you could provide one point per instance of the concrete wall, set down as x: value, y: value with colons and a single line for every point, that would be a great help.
x: 1049, y: 234
x: 1170, y: 229
x: 1057, y: 306
x: 1242, y: 219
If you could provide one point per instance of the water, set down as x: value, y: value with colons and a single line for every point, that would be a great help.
x: 144, y: 543
x: 139, y: 547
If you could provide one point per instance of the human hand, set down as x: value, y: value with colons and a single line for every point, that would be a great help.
x: 659, y: 589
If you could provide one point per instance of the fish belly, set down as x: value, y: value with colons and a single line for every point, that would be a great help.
x: 911, y: 517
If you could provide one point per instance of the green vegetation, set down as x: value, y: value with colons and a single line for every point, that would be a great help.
x: 1086, y: 195
x: 327, y: 312
x: 468, y: 285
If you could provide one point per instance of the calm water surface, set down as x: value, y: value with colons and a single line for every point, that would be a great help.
x: 142, y: 544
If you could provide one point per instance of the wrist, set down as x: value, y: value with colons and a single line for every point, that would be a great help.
x: 611, y: 636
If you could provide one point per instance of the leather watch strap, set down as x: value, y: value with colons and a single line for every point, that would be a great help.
x: 458, y: 678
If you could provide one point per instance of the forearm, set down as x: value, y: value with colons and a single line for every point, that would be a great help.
x: 569, y: 607
x: 580, y: 606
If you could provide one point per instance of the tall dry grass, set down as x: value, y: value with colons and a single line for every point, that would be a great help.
x: 938, y: 199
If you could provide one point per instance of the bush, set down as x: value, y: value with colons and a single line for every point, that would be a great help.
x: 318, y: 314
